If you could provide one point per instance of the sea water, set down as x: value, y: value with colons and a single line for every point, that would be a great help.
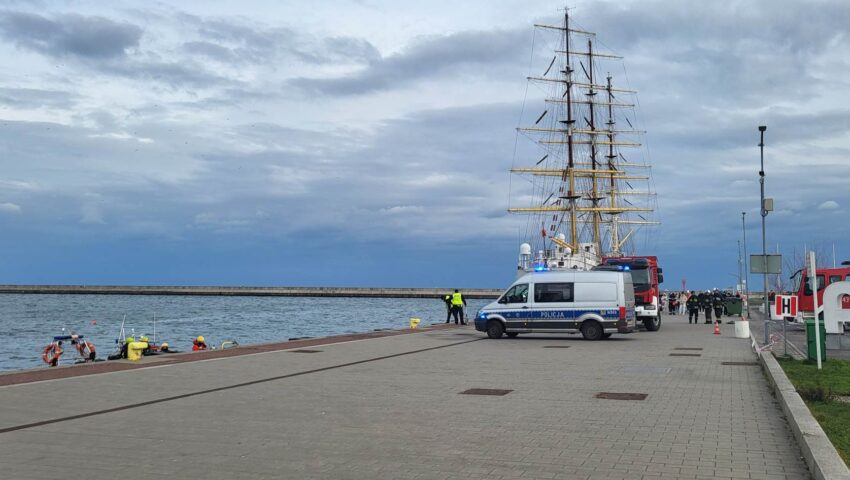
x: 29, y: 322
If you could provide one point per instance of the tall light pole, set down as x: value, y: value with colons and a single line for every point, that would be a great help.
x: 746, y: 269
x: 765, y: 301
x: 740, y: 277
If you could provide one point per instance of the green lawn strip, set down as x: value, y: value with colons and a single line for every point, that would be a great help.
x: 834, y: 378
x: 834, y: 418
x: 816, y: 387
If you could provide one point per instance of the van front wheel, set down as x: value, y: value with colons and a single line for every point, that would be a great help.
x: 495, y: 329
x: 591, y: 330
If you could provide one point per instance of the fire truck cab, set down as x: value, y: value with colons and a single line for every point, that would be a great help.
x: 646, y: 276
x: 803, y: 288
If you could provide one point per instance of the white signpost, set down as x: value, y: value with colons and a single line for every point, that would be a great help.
x: 785, y: 306
x: 814, y: 279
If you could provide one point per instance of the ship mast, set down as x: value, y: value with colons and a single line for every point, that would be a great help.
x: 594, y: 198
x: 585, y: 181
x: 615, y: 216
x: 571, y: 196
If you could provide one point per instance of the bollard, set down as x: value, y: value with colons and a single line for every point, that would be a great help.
x: 135, y: 349
x: 414, y: 322
x: 742, y: 328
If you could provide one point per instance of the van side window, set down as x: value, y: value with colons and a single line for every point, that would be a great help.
x: 596, y: 292
x: 807, y: 289
x: 834, y: 278
x: 517, y: 294
x: 553, y: 292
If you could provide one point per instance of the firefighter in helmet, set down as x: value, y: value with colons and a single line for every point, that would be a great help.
x: 693, y: 307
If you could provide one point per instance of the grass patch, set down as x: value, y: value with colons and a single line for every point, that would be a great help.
x: 835, y: 375
x: 834, y: 418
x: 818, y: 387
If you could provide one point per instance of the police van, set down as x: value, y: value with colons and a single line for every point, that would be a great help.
x: 595, y: 304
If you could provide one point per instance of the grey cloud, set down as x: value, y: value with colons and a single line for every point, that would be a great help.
x: 754, y: 27
x: 69, y: 34
x: 240, y: 41
x: 102, y: 44
x: 347, y: 48
x: 327, y: 181
x: 729, y: 54
x: 235, y: 33
x: 35, y: 98
x: 174, y: 73
x: 704, y: 130
x: 210, y: 50
x: 426, y: 58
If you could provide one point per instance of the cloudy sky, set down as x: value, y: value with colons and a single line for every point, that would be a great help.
x: 368, y: 142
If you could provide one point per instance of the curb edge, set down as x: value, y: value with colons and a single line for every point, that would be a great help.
x: 819, y: 453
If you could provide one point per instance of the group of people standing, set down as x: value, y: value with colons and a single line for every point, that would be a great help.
x: 694, y: 302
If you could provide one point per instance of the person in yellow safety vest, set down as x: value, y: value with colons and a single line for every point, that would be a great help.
x: 458, y: 302
x: 448, y: 301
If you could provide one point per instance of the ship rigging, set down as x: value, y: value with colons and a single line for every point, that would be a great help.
x: 589, y: 192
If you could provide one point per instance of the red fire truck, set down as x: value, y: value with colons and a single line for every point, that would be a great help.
x: 803, y: 287
x: 646, y: 275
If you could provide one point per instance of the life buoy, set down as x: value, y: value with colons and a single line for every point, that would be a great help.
x: 51, y: 354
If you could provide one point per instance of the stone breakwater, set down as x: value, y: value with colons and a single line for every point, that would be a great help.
x: 246, y: 291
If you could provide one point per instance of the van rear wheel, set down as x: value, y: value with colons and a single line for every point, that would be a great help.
x: 591, y: 330
x: 652, y: 324
x: 495, y: 329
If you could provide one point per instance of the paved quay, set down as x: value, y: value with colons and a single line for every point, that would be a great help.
x: 390, y: 407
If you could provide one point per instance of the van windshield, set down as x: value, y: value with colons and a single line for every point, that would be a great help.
x: 516, y: 294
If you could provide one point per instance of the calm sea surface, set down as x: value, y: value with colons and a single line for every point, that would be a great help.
x: 29, y: 322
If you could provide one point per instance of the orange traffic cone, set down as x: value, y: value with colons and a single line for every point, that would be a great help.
x: 716, y: 328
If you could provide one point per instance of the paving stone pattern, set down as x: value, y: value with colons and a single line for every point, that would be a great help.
x: 404, y: 417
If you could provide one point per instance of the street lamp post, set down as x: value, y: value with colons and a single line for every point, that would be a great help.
x: 746, y: 280
x: 765, y: 300
x: 740, y: 268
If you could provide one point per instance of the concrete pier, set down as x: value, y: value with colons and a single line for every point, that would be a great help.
x: 248, y: 291
x: 394, y: 407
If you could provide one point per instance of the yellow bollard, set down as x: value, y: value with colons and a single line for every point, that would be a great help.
x: 135, y: 349
x: 414, y: 322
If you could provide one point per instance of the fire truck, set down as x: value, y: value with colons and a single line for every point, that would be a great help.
x: 646, y: 276
x: 803, y: 287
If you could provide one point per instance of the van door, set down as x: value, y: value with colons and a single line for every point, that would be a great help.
x: 552, y: 308
x: 517, y: 308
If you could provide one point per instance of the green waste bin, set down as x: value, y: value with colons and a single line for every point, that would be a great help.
x: 733, y: 306
x: 810, y: 340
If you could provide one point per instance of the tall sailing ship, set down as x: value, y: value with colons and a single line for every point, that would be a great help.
x: 589, y: 178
